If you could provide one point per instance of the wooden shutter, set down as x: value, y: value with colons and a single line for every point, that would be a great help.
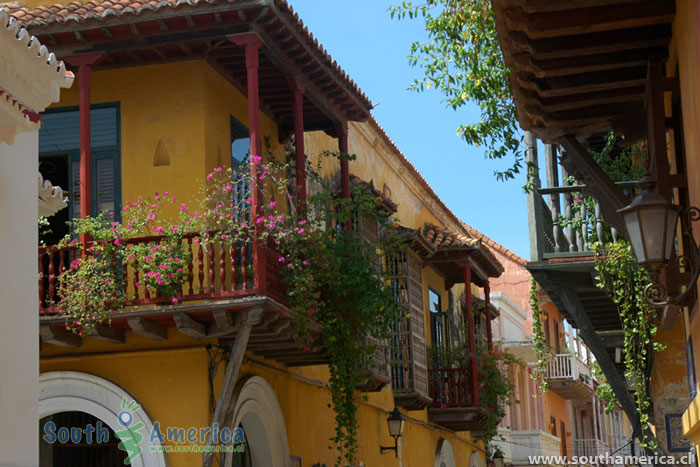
x: 417, y: 325
x: 74, y: 201
x: 105, y: 189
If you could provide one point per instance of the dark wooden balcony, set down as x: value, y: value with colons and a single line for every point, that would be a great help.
x: 374, y: 374
x: 222, y: 281
x: 453, y: 404
x: 565, y: 221
x: 569, y: 377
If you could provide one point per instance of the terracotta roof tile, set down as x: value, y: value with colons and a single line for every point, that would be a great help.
x: 495, y: 245
x: 357, y: 184
x: 441, y: 239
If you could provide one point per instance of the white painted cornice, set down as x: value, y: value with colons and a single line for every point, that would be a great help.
x: 28, y: 72
x: 13, y: 119
x: 51, y: 198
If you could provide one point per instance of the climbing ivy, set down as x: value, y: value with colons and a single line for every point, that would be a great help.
x: 624, y: 281
x: 542, y: 349
x: 604, y: 390
x: 462, y: 59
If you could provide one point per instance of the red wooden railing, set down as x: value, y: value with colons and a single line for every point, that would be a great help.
x: 215, y: 271
x: 450, y: 387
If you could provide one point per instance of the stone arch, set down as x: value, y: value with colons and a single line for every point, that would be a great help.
x: 256, y: 408
x: 445, y: 455
x: 63, y: 391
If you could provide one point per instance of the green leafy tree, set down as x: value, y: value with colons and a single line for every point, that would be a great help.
x: 462, y: 59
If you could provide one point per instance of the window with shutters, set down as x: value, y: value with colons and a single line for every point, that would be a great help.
x: 408, y: 358
x: 437, y: 320
x: 59, y: 161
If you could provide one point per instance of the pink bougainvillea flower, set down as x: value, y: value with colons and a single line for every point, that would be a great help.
x: 183, y: 208
x: 175, y: 228
x: 159, y: 229
x: 174, y: 300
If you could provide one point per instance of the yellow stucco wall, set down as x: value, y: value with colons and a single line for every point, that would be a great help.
x: 187, y: 107
x: 685, y: 62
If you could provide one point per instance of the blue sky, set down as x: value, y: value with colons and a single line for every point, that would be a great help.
x: 372, y: 48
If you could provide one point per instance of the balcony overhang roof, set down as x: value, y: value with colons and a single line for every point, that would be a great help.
x: 581, y: 67
x: 131, y: 33
x: 448, y: 252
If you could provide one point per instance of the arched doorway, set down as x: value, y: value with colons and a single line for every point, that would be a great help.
x: 71, y: 392
x: 257, y: 411
x: 445, y: 456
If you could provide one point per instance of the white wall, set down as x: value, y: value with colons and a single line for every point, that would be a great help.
x: 19, y: 307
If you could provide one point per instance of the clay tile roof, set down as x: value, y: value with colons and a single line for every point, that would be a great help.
x: 495, y: 245
x: 96, y: 11
x: 364, y: 187
x: 441, y: 239
x: 444, y: 241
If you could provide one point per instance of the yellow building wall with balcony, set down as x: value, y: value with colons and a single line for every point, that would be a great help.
x: 184, y: 108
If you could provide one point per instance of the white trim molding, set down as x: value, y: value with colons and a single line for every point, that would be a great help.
x: 28, y: 72
x: 63, y: 391
x: 51, y: 198
x: 256, y: 408
x: 445, y: 455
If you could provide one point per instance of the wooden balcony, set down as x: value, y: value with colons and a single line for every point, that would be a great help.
x: 222, y: 282
x: 374, y: 374
x: 564, y: 223
x: 589, y: 447
x: 453, y: 402
x: 569, y: 377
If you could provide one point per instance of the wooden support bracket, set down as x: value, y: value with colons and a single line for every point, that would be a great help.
x: 190, y: 327
x: 579, y: 163
x: 59, y: 335
x: 247, y: 319
x: 595, y: 344
x: 108, y: 334
x: 148, y: 328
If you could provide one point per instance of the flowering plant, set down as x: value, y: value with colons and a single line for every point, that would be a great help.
x: 88, y: 293
x: 496, y: 391
x: 161, y: 264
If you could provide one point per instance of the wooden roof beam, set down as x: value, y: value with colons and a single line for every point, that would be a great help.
x: 586, y: 63
x: 590, y: 44
x: 584, y: 82
x: 541, y: 6
x: 312, y: 93
x: 590, y: 19
x: 145, y: 42
x: 576, y: 101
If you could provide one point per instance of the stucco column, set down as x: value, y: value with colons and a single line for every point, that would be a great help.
x: 252, y: 44
x: 298, y: 106
x: 467, y: 267
x: 19, y: 307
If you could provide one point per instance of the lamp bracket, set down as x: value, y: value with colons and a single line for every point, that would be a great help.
x: 655, y: 293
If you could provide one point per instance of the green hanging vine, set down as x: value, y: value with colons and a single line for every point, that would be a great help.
x: 624, y: 281
x: 542, y: 349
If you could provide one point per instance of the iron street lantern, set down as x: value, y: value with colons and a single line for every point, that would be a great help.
x: 651, y: 227
x: 651, y: 223
x: 395, y: 421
